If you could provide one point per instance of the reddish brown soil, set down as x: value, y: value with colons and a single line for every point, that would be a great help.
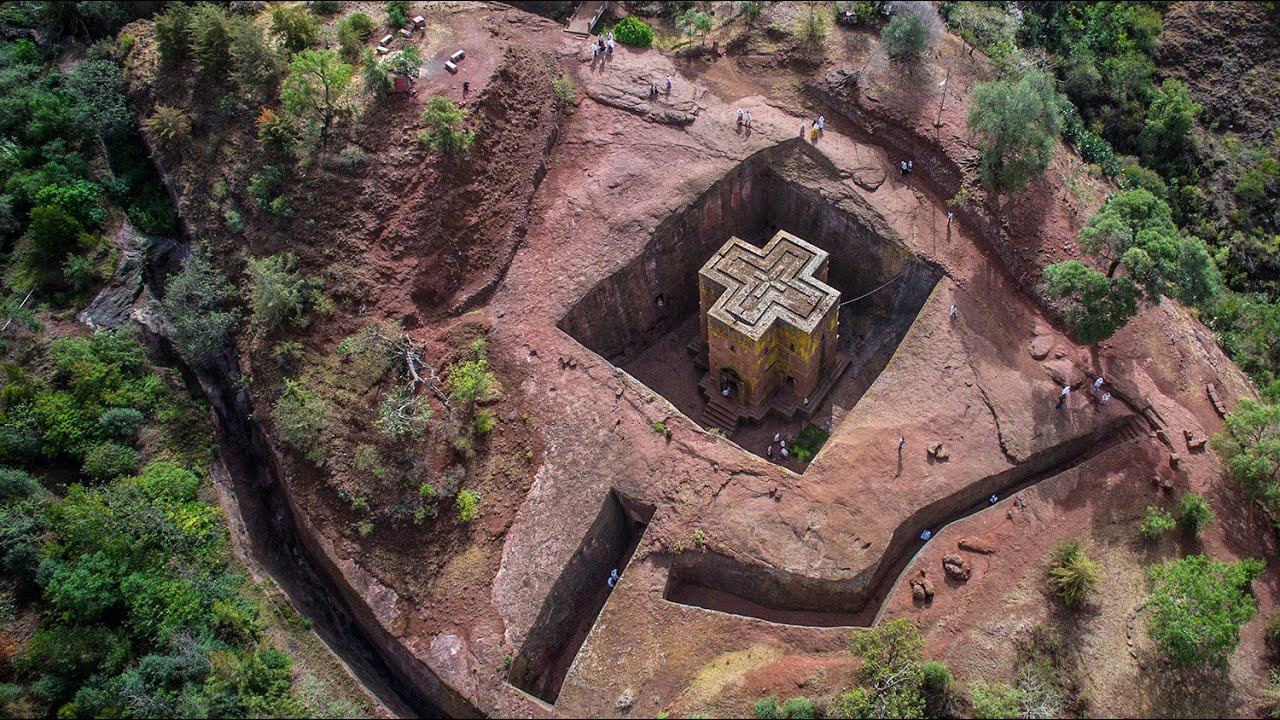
x: 413, y: 239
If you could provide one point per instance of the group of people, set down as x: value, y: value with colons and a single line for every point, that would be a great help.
x: 744, y: 118
x: 1066, y: 393
x: 816, y: 128
x: 783, y: 452
x: 907, y: 166
x: 602, y: 45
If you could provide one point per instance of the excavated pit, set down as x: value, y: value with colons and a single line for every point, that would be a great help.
x: 578, y: 596
x: 715, y: 581
x: 644, y: 317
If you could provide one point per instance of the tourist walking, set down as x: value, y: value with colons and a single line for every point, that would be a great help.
x: 1097, y: 384
x: 950, y: 217
x: 952, y: 313
x: 1105, y: 397
x: 1062, y: 397
x: 668, y: 84
x: 748, y: 118
x: 903, y: 165
x: 739, y: 116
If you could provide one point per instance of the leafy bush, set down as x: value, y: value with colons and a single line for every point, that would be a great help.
x: 108, y: 461
x: 444, y: 133
x: 397, y: 14
x: 1156, y: 523
x: 485, y: 422
x: 631, y: 30
x: 798, y: 708
x: 1194, y: 513
x: 766, y: 708
x: 468, y: 503
x: 194, y: 304
x: 170, y: 126
x: 938, y: 686
x: 17, y: 485
x: 808, y: 442
x: 275, y: 131
x: 352, y: 157
x: 905, y: 37
x: 1197, y: 607
x: 1072, y: 575
x: 469, y: 380
x: 324, y: 7
x: 562, y: 90
x: 120, y: 423
x: 278, y: 291
x: 296, y: 28
x: 995, y: 701
x: 299, y: 415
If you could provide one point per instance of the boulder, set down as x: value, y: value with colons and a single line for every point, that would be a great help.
x: 975, y: 546
x: 957, y: 568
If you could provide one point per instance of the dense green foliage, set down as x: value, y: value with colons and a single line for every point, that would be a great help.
x: 1197, y: 607
x: 1016, y: 123
x: 808, y: 442
x: 1194, y: 514
x: 277, y: 291
x: 1250, y: 449
x: 905, y: 37
x: 1072, y: 575
x: 694, y: 22
x: 1156, y: 523
x: 891, y: 675
x: 444, y: 133
x: 55, y: 206
x: 1134, y: 232
x: 631, y: 30
x: 317, y: 90
x: 141, y: 614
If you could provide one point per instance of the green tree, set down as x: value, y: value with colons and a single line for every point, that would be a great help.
x: 195, y: 305
x: 1096, y: 306
x: 1133, y: 231
x: 278, y: 291
x: 398, y: 13
x: 1194, y: 513
x: 1016, y: 125
x: 905, y: 37
x: 374, y: 74
x: 255, y: 65
x: 1072, y: 575
x: 1197, y: 607
x: 1170, y: 117
x: 891, y: 674
x: 296, y: 28
x: 1250, y: 448
x: 444, y: 133
x: 209, y: 36
x: 996, y: 701
x: 317, y: 89
x: 172, y: 29
x: 694, y: 22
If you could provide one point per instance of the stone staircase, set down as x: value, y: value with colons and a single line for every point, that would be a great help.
x: 721, y: 412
